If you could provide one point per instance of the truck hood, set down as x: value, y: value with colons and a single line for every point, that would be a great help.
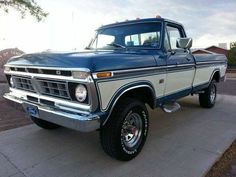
x: 93, y: 60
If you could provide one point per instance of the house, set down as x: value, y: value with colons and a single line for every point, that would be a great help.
x: 6, y: 54
x: 201, y: 51
x: 211, y: 50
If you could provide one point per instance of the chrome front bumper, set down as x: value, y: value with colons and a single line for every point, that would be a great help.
x: 74, y: 120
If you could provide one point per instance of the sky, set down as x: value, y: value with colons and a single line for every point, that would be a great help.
x: 70, y: 24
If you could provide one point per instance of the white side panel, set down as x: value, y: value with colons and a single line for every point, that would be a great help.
x: 222, y: 70
x: 203, y: 75
x: 178, y: 81
x: 108, y: 89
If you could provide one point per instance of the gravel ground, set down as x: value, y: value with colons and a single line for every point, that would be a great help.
x: 12, y: 116
x: 2, y: 76
x: 226, y: 166
x: 3, y: 89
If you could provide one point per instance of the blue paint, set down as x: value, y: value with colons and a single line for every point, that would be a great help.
x: 95, y: 60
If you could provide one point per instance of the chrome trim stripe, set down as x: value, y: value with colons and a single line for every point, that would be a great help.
x: 49, y: 68
x: 157, y: 69
x: 210, y: 62
x: 180, y: 65
x: 146, y: 71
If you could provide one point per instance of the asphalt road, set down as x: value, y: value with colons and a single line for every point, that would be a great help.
x: 185, y: 143
x: 228, y: 87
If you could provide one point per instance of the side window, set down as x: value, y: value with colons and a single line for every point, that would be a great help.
x: 174, y: 34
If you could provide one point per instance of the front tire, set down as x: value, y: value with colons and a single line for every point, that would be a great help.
x: 126, y: 131
x: 208, y: 98
x: 44, y: 124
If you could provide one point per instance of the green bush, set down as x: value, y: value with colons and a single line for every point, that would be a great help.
x: 232, y: 54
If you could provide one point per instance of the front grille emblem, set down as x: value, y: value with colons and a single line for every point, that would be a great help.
x: 58, y: 72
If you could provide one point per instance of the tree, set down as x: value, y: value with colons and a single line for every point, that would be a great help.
x: 232, y: 54
x: 24, y: 6
x: 232, y: 44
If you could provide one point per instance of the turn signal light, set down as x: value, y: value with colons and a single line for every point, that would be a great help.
x: 104, y: 74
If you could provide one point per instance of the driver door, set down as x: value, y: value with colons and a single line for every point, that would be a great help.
x: 180, y: 65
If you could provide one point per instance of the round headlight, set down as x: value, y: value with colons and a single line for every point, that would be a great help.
x: 81, y: 93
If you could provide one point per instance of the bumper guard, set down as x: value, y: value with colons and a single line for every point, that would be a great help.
x: 76, y: 121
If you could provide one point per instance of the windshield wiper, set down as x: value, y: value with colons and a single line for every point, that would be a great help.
x: 87, y: 48
x: 117, y: 45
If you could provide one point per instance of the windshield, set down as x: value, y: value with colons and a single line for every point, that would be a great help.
x: 140, y: 35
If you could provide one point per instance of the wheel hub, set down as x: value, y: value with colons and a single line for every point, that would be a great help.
x: 131, y: 130
x: 213, y: 94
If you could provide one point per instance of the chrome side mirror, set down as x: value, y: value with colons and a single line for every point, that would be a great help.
x: 184, y: 43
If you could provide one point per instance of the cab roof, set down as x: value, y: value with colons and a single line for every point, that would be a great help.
x: 145, y: 20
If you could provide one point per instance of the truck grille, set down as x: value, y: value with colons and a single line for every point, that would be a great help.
x: 53, y: 88
x: 23, y: 83
x: 42, y: 86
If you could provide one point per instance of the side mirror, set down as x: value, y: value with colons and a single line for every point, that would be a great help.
x: 184, y: 43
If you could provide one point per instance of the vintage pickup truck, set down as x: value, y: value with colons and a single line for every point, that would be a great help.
x: 127, y: 66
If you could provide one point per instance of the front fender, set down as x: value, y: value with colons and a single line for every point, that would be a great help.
x: 123, y: 90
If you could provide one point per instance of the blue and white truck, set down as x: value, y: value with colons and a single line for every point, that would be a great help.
x: 126, y: 66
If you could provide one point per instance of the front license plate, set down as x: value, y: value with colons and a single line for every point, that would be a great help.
x: 33, y: 111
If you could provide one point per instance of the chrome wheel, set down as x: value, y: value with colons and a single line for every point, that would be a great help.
x: 131, y: 130
x: 213, y: 94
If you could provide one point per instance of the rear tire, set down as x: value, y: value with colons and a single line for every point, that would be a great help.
x: 126, y: 131
x: 208, y: 98
x: 44, y: 124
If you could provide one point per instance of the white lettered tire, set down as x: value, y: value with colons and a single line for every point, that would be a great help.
x: 126, y: 131
x: 208, y: 98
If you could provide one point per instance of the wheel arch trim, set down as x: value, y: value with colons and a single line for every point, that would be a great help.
x: 124, y: 89
x: 213, y: 73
